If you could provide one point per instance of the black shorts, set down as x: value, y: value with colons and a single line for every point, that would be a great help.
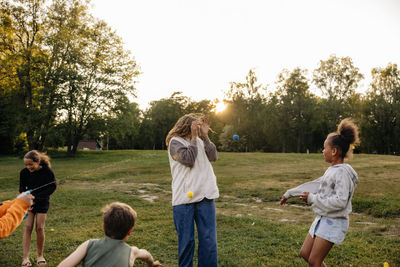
x: 40, y: 206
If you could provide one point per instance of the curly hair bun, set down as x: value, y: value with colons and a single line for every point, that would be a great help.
x: 348, y: 131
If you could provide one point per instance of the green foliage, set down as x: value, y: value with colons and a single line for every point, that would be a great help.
x: 159, y: 119
x: 337, y: 78
x: 227, y: 142
x: 22, y: 53
x: 123, y: 129
x: 245, y: 115
x: 61, y: 66
x: 381, y: 126
x: 10, y: 117
x: 100, y: 76
x: 295, y: 107
x: 162, y: 115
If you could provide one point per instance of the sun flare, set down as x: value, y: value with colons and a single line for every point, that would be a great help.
x: 220, y: 106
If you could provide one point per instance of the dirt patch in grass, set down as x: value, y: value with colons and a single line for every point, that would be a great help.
x: 148, y: 191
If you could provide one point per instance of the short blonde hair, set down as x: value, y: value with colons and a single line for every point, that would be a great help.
x: 118, y: 219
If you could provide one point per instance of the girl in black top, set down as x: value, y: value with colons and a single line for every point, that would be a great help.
x: 36, y: 174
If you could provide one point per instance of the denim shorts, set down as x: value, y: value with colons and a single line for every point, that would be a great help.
x: 332, y: 229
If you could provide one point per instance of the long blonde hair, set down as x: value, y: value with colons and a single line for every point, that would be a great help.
x: 39, y: 157
x: 182, y: 127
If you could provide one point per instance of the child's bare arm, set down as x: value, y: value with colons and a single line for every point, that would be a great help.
x: 76, y: 257
x: 144, y: 255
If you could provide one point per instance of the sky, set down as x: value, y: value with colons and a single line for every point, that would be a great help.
x: 198, y: 47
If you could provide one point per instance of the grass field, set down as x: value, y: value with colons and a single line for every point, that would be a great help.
x: 253, y: 230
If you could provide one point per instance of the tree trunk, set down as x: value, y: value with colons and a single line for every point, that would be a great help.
x: 69, y: 134
x: 75, y: 145
x: 298, y: 143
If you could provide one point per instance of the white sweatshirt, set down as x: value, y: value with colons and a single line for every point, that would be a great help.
x: 330, y: 195
x: 198, y: 178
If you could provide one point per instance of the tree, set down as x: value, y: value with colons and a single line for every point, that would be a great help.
x: 122, y: 129
x: 11, y: 121
x: 162, y: 115
x: 101, y: 75
x: 380, y: 128
x: 245, y: 114
x: 159, y: 119
x: 10, y: 124
x: 21, y: 55
x: 61, y: 66
x: 61, y: 46
x: 295, y: 107
x: 337, y: 78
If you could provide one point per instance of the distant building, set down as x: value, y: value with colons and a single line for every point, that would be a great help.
x: 89, y: 145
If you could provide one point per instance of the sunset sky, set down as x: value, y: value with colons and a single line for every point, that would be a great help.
x: 198, y: 47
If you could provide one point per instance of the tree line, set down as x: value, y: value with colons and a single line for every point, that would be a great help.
x: 65, y: 76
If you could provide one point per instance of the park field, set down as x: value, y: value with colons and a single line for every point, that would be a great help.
x: 253, y: 230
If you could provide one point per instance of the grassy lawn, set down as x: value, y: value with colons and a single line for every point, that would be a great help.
x: 253, y: 230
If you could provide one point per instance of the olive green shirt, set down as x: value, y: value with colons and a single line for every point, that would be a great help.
x: 107, y: 252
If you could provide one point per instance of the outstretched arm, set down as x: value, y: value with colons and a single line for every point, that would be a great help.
x: 311, y: 187
x: 76, y: 257
x: 13, y: 212
x: 144, y: 255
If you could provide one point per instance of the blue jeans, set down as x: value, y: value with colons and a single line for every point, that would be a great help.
x: 203, y: 213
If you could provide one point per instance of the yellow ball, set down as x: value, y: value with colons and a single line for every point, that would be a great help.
x: 386, y: 264
x: 190, y: 194
x: 157, y: 262
x: 52, y: 229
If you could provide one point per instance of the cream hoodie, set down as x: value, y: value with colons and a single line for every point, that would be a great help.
x: 192, y: 171
x: 331, y: 194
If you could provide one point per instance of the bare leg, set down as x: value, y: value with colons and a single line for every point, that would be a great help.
x: 320, y: 249
x: 26, y: 239
x: 305, y: 250
x: 40, y: 221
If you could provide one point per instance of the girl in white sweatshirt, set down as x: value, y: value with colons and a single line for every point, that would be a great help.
x: 329, y: 195
x: 194, y: 188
